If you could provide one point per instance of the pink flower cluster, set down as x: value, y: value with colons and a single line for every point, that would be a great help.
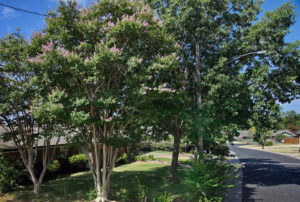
x: 48, y: 47
x: 163, y: 88
x: 132, y: 18
x: 65, y: 53
x: 167, y: 90
x: 115, y: 49
x: 37, y: 59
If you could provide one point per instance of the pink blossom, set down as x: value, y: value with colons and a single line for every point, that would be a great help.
x: 119, y: 5
x: 129, y: 7
x: 86, y: 60
x: 140, y: 60
x: 132, y: 18
x: 43, y: 35
x: 81, y: 42
x: 65, y: 53
x: 145, y: 24
x: 177, y: 58
x: 115, y: 50
x: 36, y: 59
x: 48, y: 47
x: 167, y: 90
x: 111, y: 24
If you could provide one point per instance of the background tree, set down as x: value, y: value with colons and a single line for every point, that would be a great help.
x: 220, y: 40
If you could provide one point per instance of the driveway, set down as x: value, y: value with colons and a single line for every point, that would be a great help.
x: 269, y: 177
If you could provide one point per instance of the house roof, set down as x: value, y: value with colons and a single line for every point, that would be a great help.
x: 283, y: 131
x: 243, y: 132
x: 10, y: 145
x: 298, y: 133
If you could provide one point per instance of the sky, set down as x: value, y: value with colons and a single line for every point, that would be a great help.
x: 11, y: 19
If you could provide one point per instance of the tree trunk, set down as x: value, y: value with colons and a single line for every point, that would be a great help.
x: 175, y: 155
x: 199, y: 94
x: 37, y: 187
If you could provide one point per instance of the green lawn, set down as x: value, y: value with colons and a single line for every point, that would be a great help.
x: 75, y: 186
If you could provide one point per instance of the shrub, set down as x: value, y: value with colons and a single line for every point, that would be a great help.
x: 78, y: 161
x: 279, y: 137
x: 163, y: 146
x: 269, y: 143
x: 54, y: 166
x: 145, y: 158
x: 9, y: 176
x: 122, y: 159
x: 208, y: 177
x: 220, y: 150
x: 165, y: 197
x: 92, y: 194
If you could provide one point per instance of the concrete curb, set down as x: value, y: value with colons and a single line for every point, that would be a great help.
x: 235, y: 194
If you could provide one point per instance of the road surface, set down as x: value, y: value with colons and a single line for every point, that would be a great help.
x: 269, y: 177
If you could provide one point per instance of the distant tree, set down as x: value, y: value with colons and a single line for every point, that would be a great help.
x: 292, y: 128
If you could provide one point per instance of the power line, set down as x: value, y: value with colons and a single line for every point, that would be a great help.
x: 26, y: 11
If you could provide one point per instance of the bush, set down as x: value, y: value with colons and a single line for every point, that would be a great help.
x: 92, y: 194
x: 269, y: 143
x: 163, y: 146
x: 78, y: 161
x: 208, y: 178
x: 165, y: 197
x: 220, y: 150
x: 145, y: 158
x: 279, y: 137
x: 54, y: 166
x: 9, y: 176
x: 122, y: 159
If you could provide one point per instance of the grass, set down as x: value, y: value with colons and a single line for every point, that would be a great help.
x: 74, y: 187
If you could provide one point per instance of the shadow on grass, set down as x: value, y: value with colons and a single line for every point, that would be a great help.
x: 76, y: 186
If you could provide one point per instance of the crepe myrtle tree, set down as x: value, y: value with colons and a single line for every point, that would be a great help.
x: 16, y: 108
x: 101, y: 56
x: 222, y: 37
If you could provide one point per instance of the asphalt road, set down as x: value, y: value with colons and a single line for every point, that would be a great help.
x: 269, y: 177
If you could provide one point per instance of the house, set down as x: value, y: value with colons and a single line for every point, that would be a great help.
x: 11, y: 151
x: 298, y: 133
x: 243, y: 134
x: 286, y: 133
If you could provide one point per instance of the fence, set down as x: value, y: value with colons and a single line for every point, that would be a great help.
x: 291, y: 140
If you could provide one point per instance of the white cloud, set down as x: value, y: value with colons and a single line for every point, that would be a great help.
x: 8, y: 13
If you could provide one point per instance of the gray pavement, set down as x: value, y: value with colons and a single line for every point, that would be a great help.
x: 269, y: 177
